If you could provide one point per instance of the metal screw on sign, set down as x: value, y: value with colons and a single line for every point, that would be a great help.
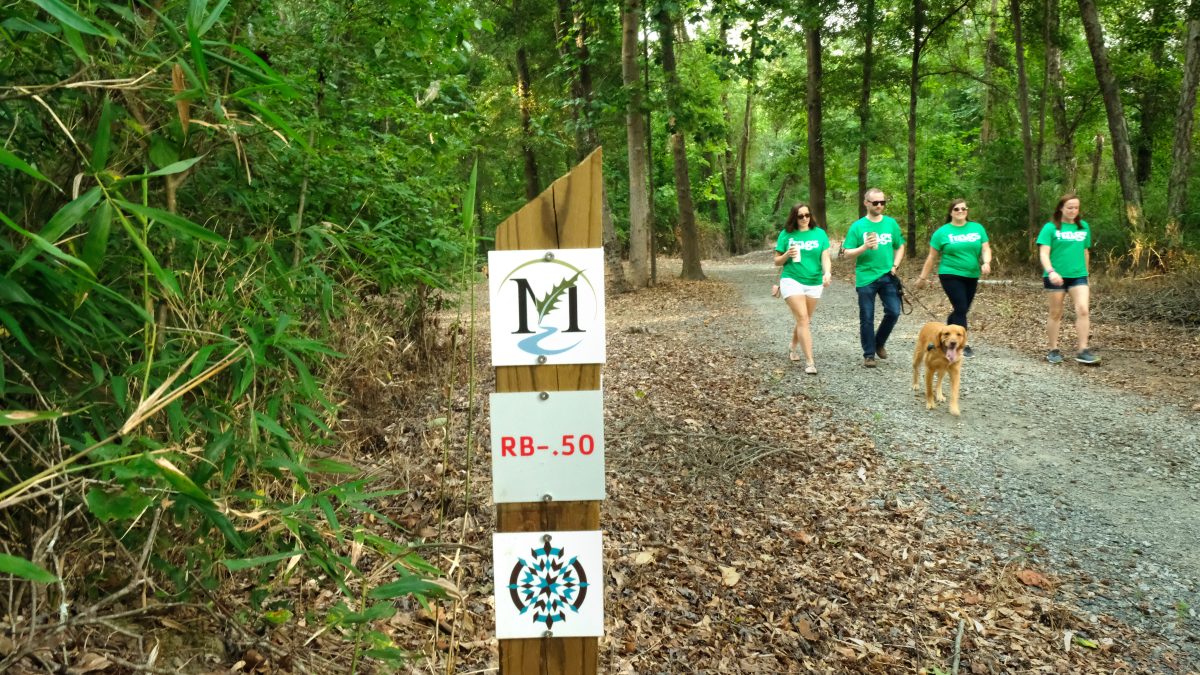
x: 549, y: 256
x: 546, y: 538
x: 545, y: 395
x: 547, y: 498
x: 548, y: 634
x: 542, y: 359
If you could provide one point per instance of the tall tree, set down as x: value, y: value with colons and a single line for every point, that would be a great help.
x: 733, y: 207
x: 991, y: 49
x: 910, y: 184
x: 635, y: 133
x: 1031, y: 195
x: 813, y: 21
x: 573, y: 41
x: 1064, y: 134
x: 747, y: 128
x: 1131, y: 193
x: 525, y: 101
x: 688, y: 232
x: 867, y: 20
x: 1181, y: 155
x: 1151, y: 97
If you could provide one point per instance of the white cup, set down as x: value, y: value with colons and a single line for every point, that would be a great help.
x: 795, y: 251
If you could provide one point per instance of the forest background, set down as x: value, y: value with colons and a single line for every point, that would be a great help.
x: 217, y: 214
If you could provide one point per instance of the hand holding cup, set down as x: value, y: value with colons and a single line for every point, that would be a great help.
x: 872, y: 241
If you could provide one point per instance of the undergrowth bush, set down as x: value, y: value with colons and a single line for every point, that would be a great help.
x: 193, y: 197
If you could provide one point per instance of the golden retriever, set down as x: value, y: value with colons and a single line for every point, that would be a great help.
x: 940, y: 346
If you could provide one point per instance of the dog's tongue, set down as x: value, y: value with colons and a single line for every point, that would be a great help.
x: 952, y: 354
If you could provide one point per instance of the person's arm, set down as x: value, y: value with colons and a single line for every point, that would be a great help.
x: 897, y: 257
x: 986, y: 267
x: 781, y: 258
x: 1044, y: 258
x: 927, y: 268
x: 826, y: 267
x: 1087, y: 258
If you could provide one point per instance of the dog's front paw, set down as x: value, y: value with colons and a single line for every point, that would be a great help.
x: 930, y: 405
x: 941, y: 398
x: 954, y: 410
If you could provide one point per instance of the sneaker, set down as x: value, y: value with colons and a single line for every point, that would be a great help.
x: 1087, y: 358
x: 869, y: 362
x: 968, y: 353
x: 881, y: 354
x: 1054, y: 356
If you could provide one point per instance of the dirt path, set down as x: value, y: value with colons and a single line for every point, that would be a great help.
x: 1103, y: 482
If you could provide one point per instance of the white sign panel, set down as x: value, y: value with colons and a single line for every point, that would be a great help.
x: 549, y: 443
x: 547, y: 306
x: 548, y: 582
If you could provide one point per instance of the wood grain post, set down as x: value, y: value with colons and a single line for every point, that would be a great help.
x: 566, y: 215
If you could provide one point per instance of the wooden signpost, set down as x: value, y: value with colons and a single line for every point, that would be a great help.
x: 565, y: 216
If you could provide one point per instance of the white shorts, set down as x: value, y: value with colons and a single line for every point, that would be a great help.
x: 789, y: 287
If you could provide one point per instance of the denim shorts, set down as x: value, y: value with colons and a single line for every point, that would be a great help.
x: 1068, y: 282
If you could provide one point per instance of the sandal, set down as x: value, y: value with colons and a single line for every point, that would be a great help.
x: 793, y: 356
x: 811, y: 369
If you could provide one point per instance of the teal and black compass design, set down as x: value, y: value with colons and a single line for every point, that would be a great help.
x: 548, y: 585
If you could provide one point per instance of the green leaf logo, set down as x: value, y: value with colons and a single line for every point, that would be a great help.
x: 548, y: 303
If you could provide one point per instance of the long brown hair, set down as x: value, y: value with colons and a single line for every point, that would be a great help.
x: 1058, y: 210
x: 950, y: 209
x: 793, y: 220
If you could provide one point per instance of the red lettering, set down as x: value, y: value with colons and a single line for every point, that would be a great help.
x: 587, y: 444
x: 507, y: 443
x: 526, y: 446
x: 568, y: 442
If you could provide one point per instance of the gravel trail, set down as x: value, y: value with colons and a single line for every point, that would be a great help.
x: 1100, y: 486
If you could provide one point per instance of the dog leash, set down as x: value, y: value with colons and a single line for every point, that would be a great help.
x: 905, y: 302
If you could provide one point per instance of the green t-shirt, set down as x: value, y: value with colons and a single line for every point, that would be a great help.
x: 961, y: 247
x: 874, y: 263
x: 1068, y: 248
x: 813, y: 243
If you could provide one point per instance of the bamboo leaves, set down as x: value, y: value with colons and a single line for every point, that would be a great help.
x: 13, y: 162
x: 68, y: 17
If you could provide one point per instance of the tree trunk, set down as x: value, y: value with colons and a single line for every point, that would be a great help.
x: 525, y: 95
x: 783, y: 188
x: 1131, y: 193
x: 708, y: 172
x: 688, y: 234
x: 1096, y: 157
x: 1181, y: 154
x: 635, y: 134
x: 867, y: 18
x: 987, y: 127
x: 816, y: 143
x: 1149, y: 108
x: 1031, y: 195
x: 1043, y: 102
x: 744, y: 146
x: 737, y: 233
x: 1065, y: 143
x: 650, y: 221
x: 913, y: 84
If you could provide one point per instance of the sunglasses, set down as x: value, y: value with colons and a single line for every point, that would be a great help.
x: 959, y: 208
x: 803, y: 216
x: 880, y: 202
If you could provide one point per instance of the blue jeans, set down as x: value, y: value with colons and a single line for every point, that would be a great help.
x: 885, y: 288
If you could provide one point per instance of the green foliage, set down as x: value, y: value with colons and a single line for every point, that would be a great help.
x: 237, y: 175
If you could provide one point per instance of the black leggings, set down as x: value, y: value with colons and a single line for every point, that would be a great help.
x: 961, y: 291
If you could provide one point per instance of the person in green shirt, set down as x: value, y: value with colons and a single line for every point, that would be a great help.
x: 1064, y: 250
x: 876, y: 245
x: 802, y: 249
x: 960, y: 245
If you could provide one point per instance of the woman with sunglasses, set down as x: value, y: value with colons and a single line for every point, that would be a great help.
x: 964, y: 253
x: 1063, y: 250
x: 803, y: 250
